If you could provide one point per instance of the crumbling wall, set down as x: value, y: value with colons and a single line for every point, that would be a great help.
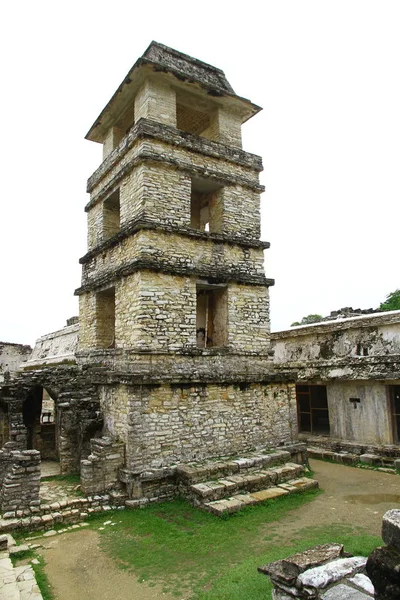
x: 359, y: 337
x: 100, y: 471
x: 19, y: 480
x: 11, y: 357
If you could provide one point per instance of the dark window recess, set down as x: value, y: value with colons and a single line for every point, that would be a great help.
x: 312, y: 408
x: 111, y: 215
x: 205, y: 206
x: 105, y: 318
x: 211, y: 317
x: 395, y: 408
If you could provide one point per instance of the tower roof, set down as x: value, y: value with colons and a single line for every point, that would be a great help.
x: 186, y: 70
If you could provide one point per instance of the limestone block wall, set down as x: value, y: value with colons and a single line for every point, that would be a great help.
x: 173, y: 252
x: 164, y: 424
x: 155, y: 175
x: 157, y: 192
x: 248, y: 318
x: 19, y: 480
x: 156, y: 100
x: 155, y: 311
x: 99, y: 472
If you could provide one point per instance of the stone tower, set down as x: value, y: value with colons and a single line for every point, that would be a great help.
x: 174, y: 310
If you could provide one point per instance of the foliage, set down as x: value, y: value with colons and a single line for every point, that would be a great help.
x: 308, y: 320
x: 392, y: 301
x: 195, y: 553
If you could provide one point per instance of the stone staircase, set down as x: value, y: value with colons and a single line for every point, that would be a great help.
x: 222, y: 487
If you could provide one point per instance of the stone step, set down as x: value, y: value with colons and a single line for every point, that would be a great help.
x: 193, y: 473
x: 239, y: 501
x: 244, y: 482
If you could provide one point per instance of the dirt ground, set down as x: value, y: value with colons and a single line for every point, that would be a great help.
x: 78, y: 570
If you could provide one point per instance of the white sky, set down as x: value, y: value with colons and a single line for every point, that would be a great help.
x: 327, y: 75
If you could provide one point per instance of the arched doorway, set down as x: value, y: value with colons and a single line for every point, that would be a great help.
x: 39, y: 415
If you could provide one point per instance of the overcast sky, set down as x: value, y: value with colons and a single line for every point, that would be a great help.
x: 325, y: 72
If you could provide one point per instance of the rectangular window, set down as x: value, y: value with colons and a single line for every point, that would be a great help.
x: 212, y: 316
x: 206, y: 206
x: 105, y: 318
x: 312, y: 408
x: 111, y: 215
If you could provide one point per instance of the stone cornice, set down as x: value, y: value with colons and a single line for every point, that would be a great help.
x: 142, y: 223
x: 145, y: 128
x: 158, y: 265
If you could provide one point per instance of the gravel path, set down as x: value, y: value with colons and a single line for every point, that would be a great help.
x: 78, y: 570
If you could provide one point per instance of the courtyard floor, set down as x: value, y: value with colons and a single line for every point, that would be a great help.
x: 78, y: 567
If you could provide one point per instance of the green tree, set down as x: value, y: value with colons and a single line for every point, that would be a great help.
x: 392, y: 301
x: 310, y: 319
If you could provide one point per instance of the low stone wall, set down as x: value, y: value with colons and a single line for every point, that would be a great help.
x: 67, y: 512
x: 348, y: 452
x: 100, y: 472
x: 19, y: 480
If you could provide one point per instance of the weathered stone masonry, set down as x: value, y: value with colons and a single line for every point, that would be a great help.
x: 171, y: 360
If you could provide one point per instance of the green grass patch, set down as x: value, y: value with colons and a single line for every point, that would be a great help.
x: 71, y: 479
x: 195, y: 553
x: 22, y: 555
x: 42, y: 580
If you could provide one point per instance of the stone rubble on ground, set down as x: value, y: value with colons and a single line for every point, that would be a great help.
x: 325, y: 572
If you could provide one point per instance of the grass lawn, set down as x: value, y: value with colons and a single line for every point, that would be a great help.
x: 194, y: 553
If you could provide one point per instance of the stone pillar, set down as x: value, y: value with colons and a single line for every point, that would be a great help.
x: 156, y: 101
x: 20, y: 481
x: 100, y: 472
x: 17, y: 430
x: 113, y: 138
x: 383, y: 566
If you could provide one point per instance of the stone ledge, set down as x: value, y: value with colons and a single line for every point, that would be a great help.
x: 146, y: 128
x: 142, y: 223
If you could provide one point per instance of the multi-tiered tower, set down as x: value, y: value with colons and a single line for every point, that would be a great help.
x: 174, y: 313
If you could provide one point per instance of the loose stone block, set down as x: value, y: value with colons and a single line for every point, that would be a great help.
x: 391, y: 528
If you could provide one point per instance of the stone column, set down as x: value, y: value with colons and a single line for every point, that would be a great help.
x: 17, y: 430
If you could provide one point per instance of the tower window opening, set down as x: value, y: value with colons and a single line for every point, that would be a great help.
x: 206, y: 206
x: 211, y: 317
x: 105, y: 318
x: 111, y: 215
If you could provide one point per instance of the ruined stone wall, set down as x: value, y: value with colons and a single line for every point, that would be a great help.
x: 11, y: 357
x: 55, y: 347
x: 164, y: 424
x: 377, y: 335
x: 99, y: 472
x: 19, y: 480
x: 77, y: 411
